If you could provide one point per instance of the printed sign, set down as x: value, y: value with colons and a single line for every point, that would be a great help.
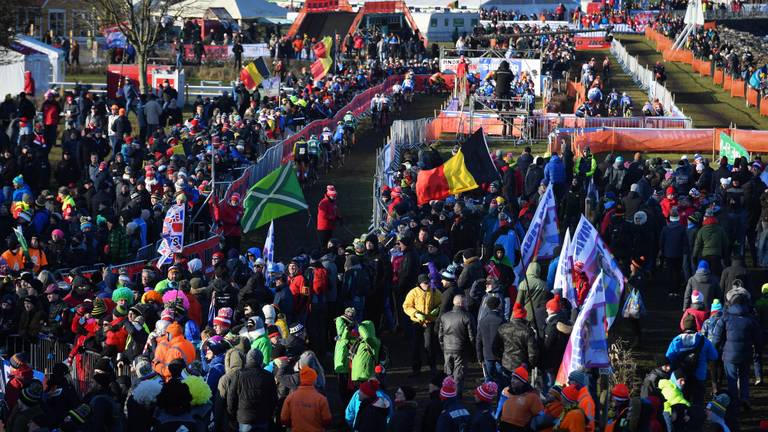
x: 486, y: 66
x: 584, y: 43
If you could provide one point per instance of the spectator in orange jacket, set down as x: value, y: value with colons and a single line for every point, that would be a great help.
x: 305, y: 409
x: 170, y: 347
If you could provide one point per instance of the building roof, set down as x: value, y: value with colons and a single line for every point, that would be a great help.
x: 237, y: 9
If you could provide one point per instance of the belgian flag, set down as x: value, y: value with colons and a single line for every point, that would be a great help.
x: 465, y: 171
x: 253, y: 74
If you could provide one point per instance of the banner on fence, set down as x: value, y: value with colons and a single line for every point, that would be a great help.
x: 253, y: 50
x: 486, y: 66
x: 589, y: 43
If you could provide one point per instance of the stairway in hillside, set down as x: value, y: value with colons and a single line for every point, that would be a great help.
x: 617, y: 78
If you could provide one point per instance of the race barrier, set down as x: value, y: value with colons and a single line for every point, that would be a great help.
x: 662, y: 140
x: 273, y: 157
x: 735, y: 86
x: 646, y: 79
x: 540, y: 126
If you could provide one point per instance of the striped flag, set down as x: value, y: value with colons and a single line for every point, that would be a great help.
x: 588, y: 345
x: 254, y: 73
x: 269, y: 249
x: 276, y: 195
x: 542, y: 237
x: 322, y: 65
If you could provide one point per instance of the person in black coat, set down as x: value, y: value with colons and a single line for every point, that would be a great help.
x: 486, y: 334
x: 434, y: 406
x: 404, y: 416
x: 373, y: 411
x: 252, y: 395
x: 482, y: 419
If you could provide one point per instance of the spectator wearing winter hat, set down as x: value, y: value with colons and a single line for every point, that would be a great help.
x: 373, y: 412
x: 28, y: 408
x: 716, y: 412
x: 19, y: 377
x: 575, y: 419
x: 705, y: 283
x: 306, y: 409
x: 620, y: 397
x: 328, y: 215
x: 454, y: 415
x: 483, y: 419
x: 696, y: 310
x: 404, y: 416
x: 517, y: 339
x: 214, y: 349
x: 740, y: 335
x: 519, y: 403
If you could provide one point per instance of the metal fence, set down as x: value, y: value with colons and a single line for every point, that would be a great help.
x: 645, y: 78
x: 404, y: 135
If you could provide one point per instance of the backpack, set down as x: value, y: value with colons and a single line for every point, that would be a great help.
x: 634, y: 308
x: 319, y: 280
x: 688, y: 360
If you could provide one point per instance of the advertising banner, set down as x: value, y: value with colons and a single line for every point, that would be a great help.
x: 486, y: 66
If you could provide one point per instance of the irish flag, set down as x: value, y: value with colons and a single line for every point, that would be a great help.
x: 466, y: 170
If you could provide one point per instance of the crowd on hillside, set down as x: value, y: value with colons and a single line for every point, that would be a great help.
x: 495, y: 15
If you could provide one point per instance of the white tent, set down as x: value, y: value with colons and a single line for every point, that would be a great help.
x: 40, y: 67
x: 55, y: 55
x: 237, y: 9
x: 11, y: 72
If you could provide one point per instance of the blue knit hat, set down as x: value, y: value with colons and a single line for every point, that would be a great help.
x: 716, y: 305
x: 703, y: 265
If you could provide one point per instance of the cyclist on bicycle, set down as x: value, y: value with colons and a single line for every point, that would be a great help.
x: 613, y: 102
x: 338, y: 135
x: 350, y: 124
x: 326, y: 137
x: 313, y: 150
x: 408, y: 86
x: 397, y: 96
x: 384, y: 108
x: 375, y: 107
x: 301, y: 157
x: 626, y: 104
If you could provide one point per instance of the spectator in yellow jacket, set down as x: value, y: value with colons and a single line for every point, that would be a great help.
x: 422, y: 305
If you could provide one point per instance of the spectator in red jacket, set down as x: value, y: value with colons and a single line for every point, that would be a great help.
x: 51, y: 111
x: 228, y: 216
x: 327, y: 215
x: 18, y: 378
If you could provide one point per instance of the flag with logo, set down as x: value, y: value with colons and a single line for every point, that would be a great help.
x: 731, y: 149
x: 172, y: 235
x: 269, y: 249
x: 542, y: 237
x: 588, y: 344
x: 254, y: 73
x: 22, y: 240
x: 276, y: 195
x: 563, y: 277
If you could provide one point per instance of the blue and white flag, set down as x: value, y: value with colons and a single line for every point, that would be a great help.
x: 588, y: 248
x: 563, y: 277
x: 588, y: 345
x: 592, y: 192
x: 268, y: 252
x: 542, y: 237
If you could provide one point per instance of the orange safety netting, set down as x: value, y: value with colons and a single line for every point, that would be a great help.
x: 718, y: 77
x: 738, y: 87
x: 668, y: 140
x: 727, y: 82
x: 678, y: 55
x: 752, y: 97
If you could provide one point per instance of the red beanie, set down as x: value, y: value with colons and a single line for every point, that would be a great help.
x: 554, y: 304
x: 369, y: 387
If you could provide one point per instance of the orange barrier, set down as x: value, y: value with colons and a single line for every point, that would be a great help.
x: 718, y: 77
x: 752, y: 97
x: 668, y: 140
x: 710, y: 25
x: 764, y: 107
x: 727, y: 82
x: 737, y: 88
x: 680, y: 55
x: 706, y: 68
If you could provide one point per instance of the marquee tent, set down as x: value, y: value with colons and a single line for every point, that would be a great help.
x: 12, y: 67
x: 30, y: 45
x: 238, y: 9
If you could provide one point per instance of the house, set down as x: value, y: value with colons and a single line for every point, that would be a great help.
x: 47, y: 19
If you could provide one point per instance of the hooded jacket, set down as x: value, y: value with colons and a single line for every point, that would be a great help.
x: 487, y: 329
x: 706, y: 284
x: 367, y: 354
x: 711, y: 240
x: 473, y: 270
x: 252, y: 393
x: 518, y: 342
x: 554, y: 171
x: 533, y: 294
x: 739, y: 335
x: 171, y: 346
x: 685, y: 342
x: 736, y: 271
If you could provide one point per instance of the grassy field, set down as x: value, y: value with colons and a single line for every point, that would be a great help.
x: 706, y: 103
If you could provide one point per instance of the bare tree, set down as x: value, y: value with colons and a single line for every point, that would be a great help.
x: 140, y: 22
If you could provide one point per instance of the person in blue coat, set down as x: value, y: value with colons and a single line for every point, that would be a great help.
x: 454, y: 417
x: 554, y: 173
x: 214, y: 351
x: 678, y: 349
x: 740, y: 335
x: 353, y: 407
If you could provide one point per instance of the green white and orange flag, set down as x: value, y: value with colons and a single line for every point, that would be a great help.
x: 253, y: 74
